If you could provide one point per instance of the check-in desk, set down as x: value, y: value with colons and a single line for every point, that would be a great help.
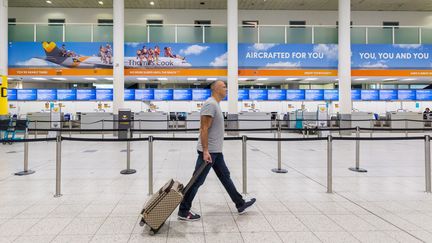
x: 39, y: 120
x: 97, y: 120
x: 151, y: 120
x: 193, y: 120
x: 428, y: 120
x: 405, y: 115
x: 251, y: 120
x: 291, y: 119
x: 359, y: 115
x: 312, y: 116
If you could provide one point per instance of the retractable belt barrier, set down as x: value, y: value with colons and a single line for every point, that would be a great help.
x: 150, y: 139
x: 197, y: 120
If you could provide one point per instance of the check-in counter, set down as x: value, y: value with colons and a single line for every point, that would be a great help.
x: 291, y: 117
x: 39, y: 120
x: 312, y: 116
x: 151, y: 120
x: 418, y: 116
x: 359, y: 115
x: 193, y: 120
x: 251, y: 120
x: 97, y: 120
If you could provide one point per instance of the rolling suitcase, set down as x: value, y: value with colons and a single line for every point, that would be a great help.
x: 161, y: 205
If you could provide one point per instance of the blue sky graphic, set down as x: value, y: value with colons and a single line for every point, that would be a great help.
x: 21, y: 52
x: 298, y: 56
x: 214, y: 55
x: 403, y: 62
x: 197, y: 54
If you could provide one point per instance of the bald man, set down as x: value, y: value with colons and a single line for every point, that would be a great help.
x: 209, y: 148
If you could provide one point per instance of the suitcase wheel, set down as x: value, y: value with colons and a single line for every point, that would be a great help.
x: 154, y: 231
x: 142, y: 222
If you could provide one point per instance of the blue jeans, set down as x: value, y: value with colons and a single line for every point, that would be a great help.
x: 222, y: 173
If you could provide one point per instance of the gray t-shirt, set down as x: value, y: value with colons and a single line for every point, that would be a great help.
x: 217, y: 129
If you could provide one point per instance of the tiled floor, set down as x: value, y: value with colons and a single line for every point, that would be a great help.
x: 387, y: 204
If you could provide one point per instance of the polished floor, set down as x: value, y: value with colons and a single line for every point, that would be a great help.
x: 387, y: 204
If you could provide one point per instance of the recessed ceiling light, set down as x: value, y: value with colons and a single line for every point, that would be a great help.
x: 211, y: 79
x: 192, y: 79
x: 90, y: 78
x: 109, y: 78
x: 152, y: 3
x: 409, y: 79
x: 390, y: 79
x: 59, y: 78
x: 291, y: 79
x: 162, y: 79
x: 101, y: 2
x: 142, y: 78
x: 243, y: 79
x: 49, y: 2
x: 262, y: 79
x: 259, y: 84
x: 39, y: 78
x: 360, y: 79
x: 311, y: 79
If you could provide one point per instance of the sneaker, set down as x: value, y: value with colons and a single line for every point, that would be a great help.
x: 191, y: 216
x: 242, y: 209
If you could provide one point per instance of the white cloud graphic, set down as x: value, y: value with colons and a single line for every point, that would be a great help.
x: 133, y: 44
x: 262, y: 47
x: 220, y: 61
x: 35, y: 62
x: 408, y: 46
x: 193, y: 50
x: 330, y: 51
x: 380, y: 64
x: 283, y: 64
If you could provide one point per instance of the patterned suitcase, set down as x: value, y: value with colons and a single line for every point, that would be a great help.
x: 161, y: 205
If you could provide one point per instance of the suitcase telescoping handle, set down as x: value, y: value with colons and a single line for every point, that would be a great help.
x: 200, y: 170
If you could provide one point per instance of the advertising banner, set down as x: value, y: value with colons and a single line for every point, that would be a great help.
x: 96, y: 58
x: 175, y: 59
x: 210, y: 59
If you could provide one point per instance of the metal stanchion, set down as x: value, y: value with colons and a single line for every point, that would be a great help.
x: 26, y: 170
x: 150, y: 165
x: 103, y: 127
x: 58, y: 166
x: 70, y: 127
x: 329, y: 164
x: 128, y: 170
x: 139, y: 122
x: 372, y: 126
x: 244, y: 163
x: 279, y: 168
x: 357, y: 166
x: 427, y: 164
x: 36, y: 127
x: 406, y: 127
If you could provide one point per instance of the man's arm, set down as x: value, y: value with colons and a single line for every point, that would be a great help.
x: 206, y: 122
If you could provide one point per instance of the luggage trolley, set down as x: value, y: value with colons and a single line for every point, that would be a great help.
x: 5, y: 126
x: 15, y: 126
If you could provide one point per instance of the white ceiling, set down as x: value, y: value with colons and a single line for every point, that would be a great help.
x: 357, y: 5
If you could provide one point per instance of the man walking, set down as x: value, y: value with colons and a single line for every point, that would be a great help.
x: 209, y: 148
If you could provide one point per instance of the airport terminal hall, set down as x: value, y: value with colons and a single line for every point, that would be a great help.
x: 215, y: 121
